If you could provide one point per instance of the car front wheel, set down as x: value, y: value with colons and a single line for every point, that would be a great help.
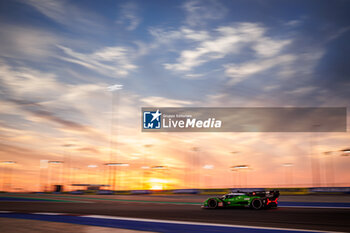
x: 212, y: 203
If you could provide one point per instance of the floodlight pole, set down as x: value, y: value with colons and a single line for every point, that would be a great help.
x: 50, y: 171
x: 288, y: 174
x: 315, y: 166
x: 234, y: 160
x: 10, y: 163
x: 113, y: 156
x: 145, y: 166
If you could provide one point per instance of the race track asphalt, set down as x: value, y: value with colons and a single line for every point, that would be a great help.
x: 327, y: 219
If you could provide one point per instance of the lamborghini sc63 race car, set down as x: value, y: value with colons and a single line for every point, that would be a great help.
x: 255, y: 200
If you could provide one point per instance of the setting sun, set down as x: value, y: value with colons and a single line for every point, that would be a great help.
x: 157, y: 184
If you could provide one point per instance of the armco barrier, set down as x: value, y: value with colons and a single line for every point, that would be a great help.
x: 123, y: 192
x: 162, y: 192
x: 213, y: 191
x: 77, y: 192
x: 291, y: 191
x: 141, y: 191
x: 186, y: 191
x: 330, y: 190
x: 283, y: 191
x: 246, y: 189
x: 104, y: 192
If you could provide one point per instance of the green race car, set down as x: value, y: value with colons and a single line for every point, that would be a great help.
x: 256, y: 200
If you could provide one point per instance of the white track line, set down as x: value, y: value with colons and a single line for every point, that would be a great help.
x: 48, y: 213
x: 178, y: 222
x: 316, y: 207
x: 197, y: 223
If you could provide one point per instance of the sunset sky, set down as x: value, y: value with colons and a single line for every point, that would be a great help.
x: 58, y: 58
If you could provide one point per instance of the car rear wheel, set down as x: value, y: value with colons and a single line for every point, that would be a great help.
x: 212, y: 203
x: 257, y: 204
